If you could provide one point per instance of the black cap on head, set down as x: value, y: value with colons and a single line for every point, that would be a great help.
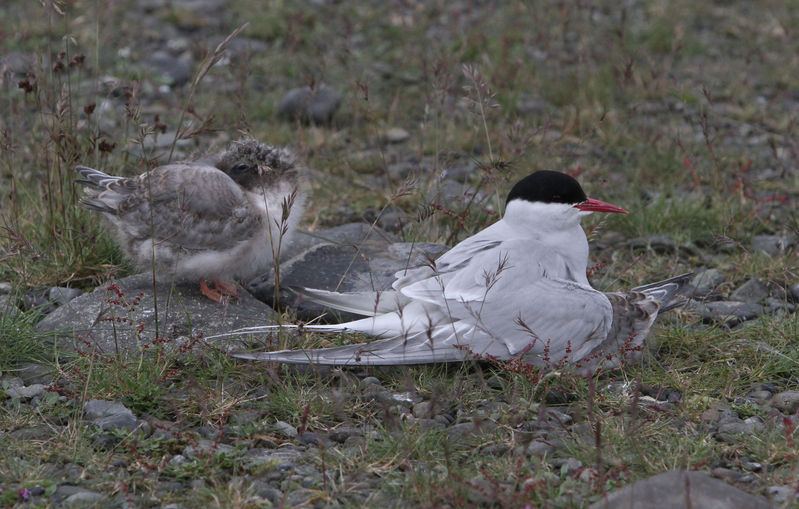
x: 547, y: 187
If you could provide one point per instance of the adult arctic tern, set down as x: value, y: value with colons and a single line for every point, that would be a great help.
x: 516, y: 288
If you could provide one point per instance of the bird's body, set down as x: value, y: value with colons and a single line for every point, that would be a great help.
x: 517, y: 288
x: 218, y: 218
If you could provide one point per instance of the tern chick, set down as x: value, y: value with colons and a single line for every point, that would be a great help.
x: 219, y: 218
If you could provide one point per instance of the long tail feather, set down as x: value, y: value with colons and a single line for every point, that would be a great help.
x: 359, y: 303
x: 383, y: 352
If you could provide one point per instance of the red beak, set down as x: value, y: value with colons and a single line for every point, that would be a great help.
x: 591, y: 205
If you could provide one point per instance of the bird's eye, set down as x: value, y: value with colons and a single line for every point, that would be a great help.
x: 240, y: 168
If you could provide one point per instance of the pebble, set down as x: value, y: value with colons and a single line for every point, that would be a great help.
x: 396, y: 135
x: 285, y: 429
x: 773, y: 245
x: 25, y: 393
x: 786, y: 402
x: 110, y: 415
x: 307, y: 104
x: 706, y: 280
x: 781, y: 494
x: 753, y: 291
x: 730, y: 313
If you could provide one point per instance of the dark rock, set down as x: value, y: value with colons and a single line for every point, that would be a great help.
x: 340, y: 434
x: 658, y: 242
x: 309, y: 438
x: 344, y: 266
x: 108, y: 324
x: 679, y: 489
x: 104, y: 441
x: 495, y: 449
x: 175, y: 71
x: 310, y: 104
x: 794, y: 289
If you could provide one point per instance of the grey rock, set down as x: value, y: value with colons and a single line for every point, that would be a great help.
x: 730, y: 312
x: 205, y: 447
x: 773, y: 245
x: 794, y: 289
x: 392, y: 219
x: 34, y: 373
x: 540, y: 448
x: 176, y: 71
x: 25, y: 393
x: 8, y: 306
x: 307, y: 104
x: 786, y: 402
x: 423, y: 409
x: 781, y: 494
x: 753, y: 291
x: 568, y: 466
x: 343, y: 266
x: 340, y: 434
x: 706, y: 280
x: 83, y: 499
x: 183, y: 313
x: 110, y: 415
x: 672, y: 490
x: 371, y: 382
x: 286, y: 429
x: 61, y: 295
x: 737, y: 426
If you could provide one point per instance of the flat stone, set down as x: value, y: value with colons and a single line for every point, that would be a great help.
x: 342, y: 264
x: 101, y: 321
x: 679, y: 489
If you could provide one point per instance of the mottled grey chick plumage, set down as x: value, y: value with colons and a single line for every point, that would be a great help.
x: 213, y: 218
